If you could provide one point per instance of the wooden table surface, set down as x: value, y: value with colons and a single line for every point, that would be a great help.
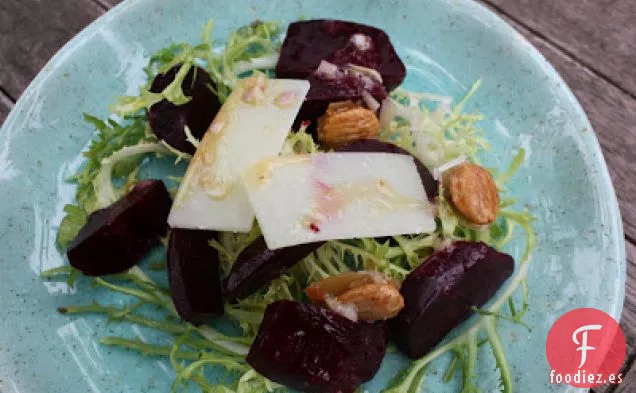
x: 592, y: 43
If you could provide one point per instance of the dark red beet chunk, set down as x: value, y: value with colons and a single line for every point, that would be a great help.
x: 374, y: 145
x: 440, y: 293
x: 344, y: 86
x: 314, y: 349
x: 341, y: 43
x: 115, y: 238
x: 193, y: 273
x: 168, y: 120
x: 257, y: 265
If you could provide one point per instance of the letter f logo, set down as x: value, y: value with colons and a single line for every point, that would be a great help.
x: 583, y: 344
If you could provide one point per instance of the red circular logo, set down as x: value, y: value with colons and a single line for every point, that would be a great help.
x: 585, y: 348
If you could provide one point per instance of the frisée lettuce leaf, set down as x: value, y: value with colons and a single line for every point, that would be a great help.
x: 111, y: 137
x: 251, y: 47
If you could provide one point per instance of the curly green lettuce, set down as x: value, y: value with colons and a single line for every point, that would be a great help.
x: 251, y: 47
x: 112, y: 136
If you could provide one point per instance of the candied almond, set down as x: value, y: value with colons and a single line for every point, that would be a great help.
x: 338, y: 284
x: 374, y: 302
x: 472, y: 191
x: 345, y: 122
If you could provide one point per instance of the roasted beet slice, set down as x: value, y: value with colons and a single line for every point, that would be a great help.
x: 257, y: 265
x: 115, y: 238
x: 314, y: 349
x: 374, y: 145
x: 193, y: 273
x: 168, y: 120
x: 440, y: 293
x: 322, y: 51
x: 331, y: 83
x: 342, y: 43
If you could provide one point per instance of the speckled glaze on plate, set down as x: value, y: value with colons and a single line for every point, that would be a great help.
x: 447, y: 45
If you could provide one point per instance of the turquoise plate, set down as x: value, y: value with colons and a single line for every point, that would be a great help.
x: 447, y: 46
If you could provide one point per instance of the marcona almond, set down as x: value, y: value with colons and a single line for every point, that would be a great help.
x: 338, y: 284
x: 345, y: 122
x: 372, y: 295
x: 473, y: 193
x: 374, y: 301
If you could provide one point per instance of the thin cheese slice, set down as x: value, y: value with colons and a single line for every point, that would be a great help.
x: 251, y: 125
x: 327, y: 196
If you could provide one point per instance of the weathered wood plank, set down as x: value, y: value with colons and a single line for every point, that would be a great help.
x: 108, y: 3
x: 629, y: 381
x: 628, y: 319
x: 31, y: 31
x: 599, y: 33
x: 5, y: 107
x: 613, y: 115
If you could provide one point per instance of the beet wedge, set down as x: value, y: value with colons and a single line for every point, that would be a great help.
x: 329, y: 53
x: 115, y: 238
x: 373, y: 145
x: 441, y: 293
x: 336, y: 84
x: 168, y: 120
x: 257, y: 266
x: 309, y: 42
x: 193, y: 274
x: 314, y: 349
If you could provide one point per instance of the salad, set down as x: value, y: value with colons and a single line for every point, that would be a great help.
x: 326, y: 217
